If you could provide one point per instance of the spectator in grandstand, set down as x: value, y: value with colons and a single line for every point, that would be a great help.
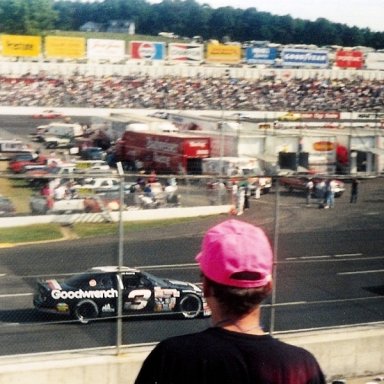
x: 224, y: 93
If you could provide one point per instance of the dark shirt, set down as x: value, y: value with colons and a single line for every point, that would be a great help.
x: 217, y: 356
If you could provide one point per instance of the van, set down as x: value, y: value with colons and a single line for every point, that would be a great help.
x: 11, y: 147
x: 58, y: 130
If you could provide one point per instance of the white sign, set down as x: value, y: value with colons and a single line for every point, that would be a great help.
x: 187, y: 53
x: 374, y: 60
x: 103, y: 49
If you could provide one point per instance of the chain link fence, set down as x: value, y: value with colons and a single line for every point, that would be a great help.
x: 328, y: 267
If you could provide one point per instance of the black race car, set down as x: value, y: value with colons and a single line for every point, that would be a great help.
x: 94, y: 294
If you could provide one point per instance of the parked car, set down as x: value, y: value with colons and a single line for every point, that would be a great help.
x: 98, y: 184
x: 53, y: 142
x: 38, y: 177
x: 290, y: 116
x: 159, y: 114
x: 94, y: 293
x: 41, y: 205
x: 48, y: 114
x: 21, y: 164
x: 7, y: 207
x: 298, y: 183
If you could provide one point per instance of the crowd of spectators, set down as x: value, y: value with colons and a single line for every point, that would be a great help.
x: 183, y: 93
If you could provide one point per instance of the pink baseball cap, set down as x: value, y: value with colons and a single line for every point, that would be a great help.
x: 237, y: 254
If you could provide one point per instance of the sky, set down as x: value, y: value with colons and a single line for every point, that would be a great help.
x: 359, y: 13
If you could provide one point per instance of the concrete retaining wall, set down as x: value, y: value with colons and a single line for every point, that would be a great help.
x: 130, y: 215
x: 347, y: 352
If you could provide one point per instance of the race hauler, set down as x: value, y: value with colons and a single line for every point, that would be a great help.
x: 166, y: 153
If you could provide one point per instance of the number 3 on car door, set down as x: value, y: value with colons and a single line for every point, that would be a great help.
x: 137, y: 299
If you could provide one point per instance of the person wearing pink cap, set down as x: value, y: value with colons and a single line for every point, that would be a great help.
x: 236, y: 262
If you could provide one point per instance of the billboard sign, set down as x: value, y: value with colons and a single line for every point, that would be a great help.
x: 305, y: 58
x: 349, y: 59
x: 259, y: 55
x: 188, y: 53
x: 64, y: 47
x: 375, y: 60
x: 222, y: 53
x: 18, y: 45
x: 104, y: 49
x: 147, y: 50
x: 320, y: 115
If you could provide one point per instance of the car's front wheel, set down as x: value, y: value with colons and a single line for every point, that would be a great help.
x: 85, y: 311
x: 190, y: 306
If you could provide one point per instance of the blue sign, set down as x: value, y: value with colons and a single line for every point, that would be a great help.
x: 257, y: 55
x: 304, y: 58
x: 147, y: 50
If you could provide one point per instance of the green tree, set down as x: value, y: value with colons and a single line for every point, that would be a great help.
x: 26, y: 17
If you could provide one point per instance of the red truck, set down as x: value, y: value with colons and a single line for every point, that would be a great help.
x: 166, y: 153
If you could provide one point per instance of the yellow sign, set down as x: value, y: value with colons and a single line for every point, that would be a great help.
x: 18, y: 45
x: 64, y: 47
x: 222, y: 53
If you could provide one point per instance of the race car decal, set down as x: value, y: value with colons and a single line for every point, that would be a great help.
x: 138, y: 299
x: 80, y: 294
x: 165, y: 299
x: 107, y: 308
x: 166, y: 292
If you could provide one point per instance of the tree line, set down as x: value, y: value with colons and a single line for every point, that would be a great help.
x: 185, y: 18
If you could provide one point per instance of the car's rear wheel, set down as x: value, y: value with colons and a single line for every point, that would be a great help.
x: 190, y: 306
x: 85, y: 311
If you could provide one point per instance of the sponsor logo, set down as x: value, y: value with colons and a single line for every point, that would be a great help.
x: 80, y: 294
x: 305, y: 57
x: 323, y: 146
x: 147, y: 51
x: 194, y: 143
x: 161, y: 146
x: 20, y: 46
x: 107, y: 308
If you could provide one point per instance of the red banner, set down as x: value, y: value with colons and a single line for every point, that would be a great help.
x: 349, y: 59
x: 320, y: 115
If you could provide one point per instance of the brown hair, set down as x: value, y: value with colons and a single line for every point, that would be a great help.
x: 237, y: 301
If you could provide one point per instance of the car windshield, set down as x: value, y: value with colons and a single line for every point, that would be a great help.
x: 155, y: 280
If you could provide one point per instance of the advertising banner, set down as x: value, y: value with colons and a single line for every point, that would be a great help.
x: 64, y: 47
x: 304, y: 58
x: 255, y: 55
x: 375, y: 60
x: 17, y: 45
x: 222, y: 53
x: 147, y: 50
x: 103, y: 49
x: 189, y: 53
x: 321, y: 115
x: 349, y: 59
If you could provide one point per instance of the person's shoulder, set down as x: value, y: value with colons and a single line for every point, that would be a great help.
x: 293, y: 350
x: 189, y: 337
